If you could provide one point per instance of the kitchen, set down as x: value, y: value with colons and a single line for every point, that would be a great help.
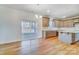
x: 65, y: 29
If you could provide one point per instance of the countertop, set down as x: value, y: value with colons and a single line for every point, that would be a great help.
x: 70, y: 30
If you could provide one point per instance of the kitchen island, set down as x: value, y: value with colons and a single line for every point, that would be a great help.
x: 66, y: 35
x: 69, y: 35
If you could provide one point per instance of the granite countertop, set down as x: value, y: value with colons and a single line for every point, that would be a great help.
x: 71, y: 30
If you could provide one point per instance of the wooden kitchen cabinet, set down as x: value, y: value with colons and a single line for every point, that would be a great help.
x: 45, y: 21
x: 47, y: 34
x: 59, y: 23
x: 68, y: 23
x: 51, y: 34
x: 64, y: 23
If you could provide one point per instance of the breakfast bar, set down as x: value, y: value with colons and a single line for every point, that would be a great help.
x: 65, y: 35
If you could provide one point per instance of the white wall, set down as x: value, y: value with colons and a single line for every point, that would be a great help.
x: 10, y: 29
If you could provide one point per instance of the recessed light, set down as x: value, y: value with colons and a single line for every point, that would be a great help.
x: 36, y: 16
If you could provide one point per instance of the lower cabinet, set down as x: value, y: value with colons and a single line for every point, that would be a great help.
x: 51, y: 34
x: 48, y: 34
x: 68, y: 37
x: 77, y: 37
x: 65, y: 37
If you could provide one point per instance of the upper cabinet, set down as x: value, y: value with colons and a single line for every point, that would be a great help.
x: 45, y: 21
x: 58, y: 23
x: 67, y: 22
x: 63, y: 23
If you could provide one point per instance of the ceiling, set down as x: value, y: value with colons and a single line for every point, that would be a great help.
x: 52, y: 10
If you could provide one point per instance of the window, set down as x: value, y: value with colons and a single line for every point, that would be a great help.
x: 28, y: 26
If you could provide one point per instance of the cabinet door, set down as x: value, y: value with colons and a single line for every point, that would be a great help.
x: 69, y: 23
x: 59, y: 23
x: 45, y: 22
x: 51, y: 34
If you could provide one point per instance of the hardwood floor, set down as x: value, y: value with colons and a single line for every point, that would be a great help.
x: 51, y: 46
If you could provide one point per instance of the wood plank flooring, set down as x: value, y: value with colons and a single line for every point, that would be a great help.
x: 51, y: 46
